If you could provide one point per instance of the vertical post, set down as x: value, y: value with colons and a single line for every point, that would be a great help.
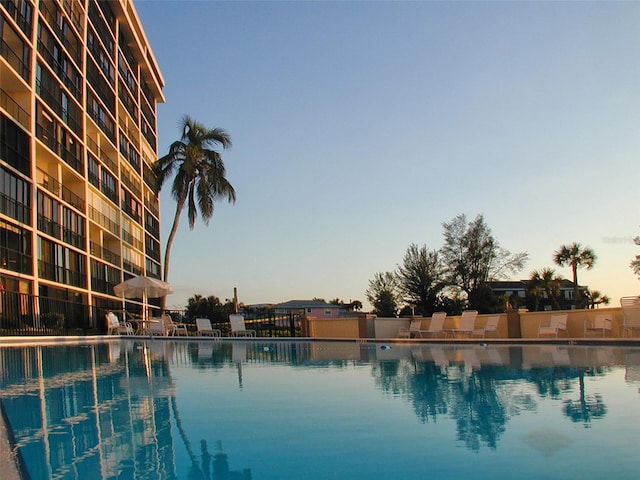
x: 292, y: 324
x: 513, y: 323
x: 235, y: 299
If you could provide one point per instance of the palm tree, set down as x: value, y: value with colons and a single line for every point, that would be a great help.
x: 546, y: 282
x: 595, y: 298
x: 576, y: 256
x: 199, y: 175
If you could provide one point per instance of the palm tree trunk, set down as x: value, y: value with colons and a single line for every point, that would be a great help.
x: 167, y: 250
x: 576, y: 292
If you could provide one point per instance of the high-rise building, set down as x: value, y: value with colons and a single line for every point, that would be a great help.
x: 79, y: 86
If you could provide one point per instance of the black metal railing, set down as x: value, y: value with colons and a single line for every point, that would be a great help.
x: 24, y: 314
x: 267, y: 325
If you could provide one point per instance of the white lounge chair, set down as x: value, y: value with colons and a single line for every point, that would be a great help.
x: 557, y: 324
x: 467, y: 324
x: 117, y: 327
x: 601, y: 324
x: 439, y: 357
x: 436, y: 325
x: 172, y: 327
x: 491, y: 326
x: 470, y: 359
x: 413, y: 330
x: 156, y: 327
x: 203, y: 325
x: 238, y: 328
x: 631, y: 310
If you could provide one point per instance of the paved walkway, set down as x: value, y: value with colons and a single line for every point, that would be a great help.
x: 8, y: 467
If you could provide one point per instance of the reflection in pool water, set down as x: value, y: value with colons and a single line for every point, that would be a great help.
x: 317, y: 410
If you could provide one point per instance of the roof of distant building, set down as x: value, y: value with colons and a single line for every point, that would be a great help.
x: 299, y: 304
x: 520, y: 284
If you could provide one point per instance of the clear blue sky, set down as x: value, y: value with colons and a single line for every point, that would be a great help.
x: 359, y: 127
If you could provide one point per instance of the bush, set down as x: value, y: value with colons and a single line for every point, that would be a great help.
x: 52, y: 320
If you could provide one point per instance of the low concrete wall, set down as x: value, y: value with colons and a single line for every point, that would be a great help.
x: 531, y: 321
x: 389, y: 327
x: 367, y: 326
x: 333, y: 327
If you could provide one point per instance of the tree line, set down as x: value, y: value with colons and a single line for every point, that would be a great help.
x: 456, y: 276
x: 450, y: 279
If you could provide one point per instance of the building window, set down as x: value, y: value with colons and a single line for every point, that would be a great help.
x: 15, y: 197
x: 14, y: 146
x: 15, y: 248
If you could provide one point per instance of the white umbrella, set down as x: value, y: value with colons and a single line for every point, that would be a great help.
x: 143, y: 287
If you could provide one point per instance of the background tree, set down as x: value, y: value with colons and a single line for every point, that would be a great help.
x: 472, y: 257
x: 635, y: 264
x: 210, y: 307
x: 350, y: 306
x: 595, y: 298
x: 576, y: 256
x: 421, y: 279
x: 545, y: 282
x: 354, y: 305
x: 383, y: 293
x: 199, y: 176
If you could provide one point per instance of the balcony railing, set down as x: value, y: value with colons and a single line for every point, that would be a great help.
x: 16, y: 61
x: 48, y: 226
x: 18, y: 159
x: 102, y: 155
x: 104, y: 254
x: 58, y: 189
x: 69, y: 157
x: 49, y: 11
x: 15, y: 110
x: 128, y: 181
x: 11, y: 208
x: 53, y: 101
x: 73, y: 238
x: 15, y: 261
x: 102, y: 286
x: 148, y: 133
x: 131, y: 267
x: 60, y: 71
x: 108, y: 130
x: 133, y: 214
x: 60, y: 274
x: 103, y: 221
x: 59, y: 231
x: 23, y: 22
x: 131, y: 240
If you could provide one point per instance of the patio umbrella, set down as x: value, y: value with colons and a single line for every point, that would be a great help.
x: 142, y: 287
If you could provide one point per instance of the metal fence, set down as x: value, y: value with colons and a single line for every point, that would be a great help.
x: 25, y: 314
x: 267, y: 324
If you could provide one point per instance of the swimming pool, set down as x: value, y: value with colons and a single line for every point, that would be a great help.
x: 260, y: 410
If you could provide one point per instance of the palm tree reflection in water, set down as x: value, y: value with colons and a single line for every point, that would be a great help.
x: 220, y: 465
x: 587, y: 406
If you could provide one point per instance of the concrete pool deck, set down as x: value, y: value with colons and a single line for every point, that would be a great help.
x: 8, y: 458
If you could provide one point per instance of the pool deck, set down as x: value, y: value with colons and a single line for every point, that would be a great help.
x: 57, y: 340
x: 8, y: 459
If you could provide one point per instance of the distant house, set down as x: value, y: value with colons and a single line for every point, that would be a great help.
x: 520, y: 288
x: 308, y: 308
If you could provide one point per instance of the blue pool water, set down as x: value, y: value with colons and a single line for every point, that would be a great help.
x: 138, y: 409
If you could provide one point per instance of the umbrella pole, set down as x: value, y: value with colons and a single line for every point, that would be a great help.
x: 144, y: 308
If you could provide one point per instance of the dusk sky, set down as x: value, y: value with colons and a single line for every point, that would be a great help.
x: 359, y: 127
